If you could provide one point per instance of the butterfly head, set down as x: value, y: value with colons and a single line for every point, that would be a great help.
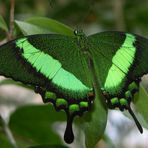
x: 79, y: 32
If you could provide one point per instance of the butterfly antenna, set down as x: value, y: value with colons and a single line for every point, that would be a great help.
x: 135, y: 119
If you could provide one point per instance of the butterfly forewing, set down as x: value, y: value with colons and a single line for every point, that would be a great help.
x: 57, y: 59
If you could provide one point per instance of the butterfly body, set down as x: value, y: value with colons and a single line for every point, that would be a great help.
x: 59, y: 67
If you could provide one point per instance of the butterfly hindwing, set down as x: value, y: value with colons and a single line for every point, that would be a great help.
x: 115, y: 55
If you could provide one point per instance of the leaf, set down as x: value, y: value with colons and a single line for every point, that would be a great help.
x: 108, y: 141
x: 94, y: 123
x: 41, y: 25
x: 3, y: 24
x: 51, y: 25
x: 141, y: 102
x: 4, y: 142
x: 29, y: 29
x: 33, y: 124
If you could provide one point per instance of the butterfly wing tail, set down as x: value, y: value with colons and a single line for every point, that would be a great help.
x: 135, y: 119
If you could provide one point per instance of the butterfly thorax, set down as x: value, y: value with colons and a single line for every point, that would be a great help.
x: 81, y: 40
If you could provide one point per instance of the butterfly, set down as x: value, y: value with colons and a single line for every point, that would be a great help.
x: 59, y: 68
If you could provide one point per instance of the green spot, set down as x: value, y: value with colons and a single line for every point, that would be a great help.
x: 83, y: 104
x: 123, y: 101
x: 49, y: 96
x: 133, y: 86
x: 60, y: 102
x: 74, y: 108
x: 128, y: 94
x: 114, y: 101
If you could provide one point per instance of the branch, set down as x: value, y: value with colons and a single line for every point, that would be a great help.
x: 119, y: 14
x: 11, y: 27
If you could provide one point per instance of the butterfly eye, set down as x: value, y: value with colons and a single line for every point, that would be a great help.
x: 75, y: 32
x: 79, y: 32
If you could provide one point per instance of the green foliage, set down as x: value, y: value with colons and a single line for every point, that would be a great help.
x: 33, y: 125
x: 141, y: 101
x: 94, y: 127
x: 4, y: 142
x: 108, y: 141
x: 51, y: 25
x: 42, y: 25
x: 28, y: 29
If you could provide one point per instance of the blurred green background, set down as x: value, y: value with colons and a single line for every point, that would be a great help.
x: 92, y: 16
x: 104, y: 15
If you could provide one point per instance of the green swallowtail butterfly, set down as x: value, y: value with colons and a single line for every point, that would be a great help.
x: 58, y: 67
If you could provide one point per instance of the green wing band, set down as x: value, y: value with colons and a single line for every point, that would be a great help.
x: 43, y: 63
x: 52, y: 69
x: 69, y: 82
x: 122, y: 61
x: 124, y: 57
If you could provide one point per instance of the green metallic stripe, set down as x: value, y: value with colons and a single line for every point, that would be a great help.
x: 69, y: 82
x: 43, y: 63
x: 124, y: 57
x: 122, y: 61
x: 52, y: 69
